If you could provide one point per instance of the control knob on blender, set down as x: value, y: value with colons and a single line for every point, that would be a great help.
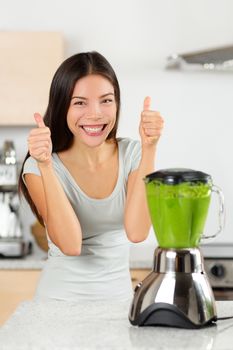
x: 218, y: 270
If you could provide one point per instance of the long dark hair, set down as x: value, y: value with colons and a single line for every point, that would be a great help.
x: 62, y: 86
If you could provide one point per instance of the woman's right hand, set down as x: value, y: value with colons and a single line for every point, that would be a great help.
x: 39, y: 142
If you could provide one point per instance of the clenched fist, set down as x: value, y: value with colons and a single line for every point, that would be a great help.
x: 151, y: 124
x: 39, y: 141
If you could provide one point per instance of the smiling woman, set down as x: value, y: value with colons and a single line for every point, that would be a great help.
x: 92, y: 111
x: 85, y: 184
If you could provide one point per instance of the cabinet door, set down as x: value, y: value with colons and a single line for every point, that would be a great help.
x: 16, y: 286
x: 28, y: 61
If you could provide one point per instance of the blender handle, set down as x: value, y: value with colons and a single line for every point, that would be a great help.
x: 221, y: 213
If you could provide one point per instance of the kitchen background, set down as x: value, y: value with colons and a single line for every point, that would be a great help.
x: 137, y: 37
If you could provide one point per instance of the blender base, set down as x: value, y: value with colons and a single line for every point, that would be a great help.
x: 163, y: 314
x: 176, y: 293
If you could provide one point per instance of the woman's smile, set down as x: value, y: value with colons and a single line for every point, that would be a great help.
x: 92, y: 112
x: 94, y: 130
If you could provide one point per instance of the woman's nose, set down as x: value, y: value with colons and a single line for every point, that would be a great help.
x: 94, y: 111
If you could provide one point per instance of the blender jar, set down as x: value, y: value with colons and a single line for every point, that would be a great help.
x: 178, y: 201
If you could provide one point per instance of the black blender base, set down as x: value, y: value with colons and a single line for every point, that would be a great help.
x: 163, y: 314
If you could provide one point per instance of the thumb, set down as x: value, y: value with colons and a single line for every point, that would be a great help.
x: 146, y: 103
x: 39, y: 120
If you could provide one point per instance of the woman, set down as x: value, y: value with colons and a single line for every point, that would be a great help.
x: 85, y: 185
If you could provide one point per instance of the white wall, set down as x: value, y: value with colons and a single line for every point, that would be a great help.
x: 129, y: 32
x: 136, y: 37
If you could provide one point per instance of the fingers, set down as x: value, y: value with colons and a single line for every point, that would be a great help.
x: 40, y: 155
x: 40, y: 151
x: 153, y: 132
x: 38, y: 144
x: 39, y: 120
x: 155, y: 119
x: 149, y: 115
x: 151, y: 124
x: 39, y: 141
x: 146, y: 103
x: 41, y: 127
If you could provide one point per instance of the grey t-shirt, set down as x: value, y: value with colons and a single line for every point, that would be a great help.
x: 102, y: 269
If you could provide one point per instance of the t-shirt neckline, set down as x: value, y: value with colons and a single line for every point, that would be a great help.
x: 76, y: 186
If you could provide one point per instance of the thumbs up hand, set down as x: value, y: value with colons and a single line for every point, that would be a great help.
x: 151, y: 124
x: 39, y: 141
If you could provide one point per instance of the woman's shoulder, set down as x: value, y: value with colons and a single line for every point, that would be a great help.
x: 128, y: 143
x: 131, y: 152
x: 31, y: 164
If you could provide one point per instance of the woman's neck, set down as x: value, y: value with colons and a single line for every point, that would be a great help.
x: 89, y: 157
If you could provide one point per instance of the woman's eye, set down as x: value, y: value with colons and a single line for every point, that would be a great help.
x: 107, y: 100
x: 79, y: 103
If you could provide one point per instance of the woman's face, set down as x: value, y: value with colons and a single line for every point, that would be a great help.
x: 92, y: 112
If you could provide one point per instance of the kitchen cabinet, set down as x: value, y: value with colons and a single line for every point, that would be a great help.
x: 15, y: 286
x: 28, y: 61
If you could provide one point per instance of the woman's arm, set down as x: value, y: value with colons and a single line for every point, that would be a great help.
x: 137, y: 219
x: 49, y: 197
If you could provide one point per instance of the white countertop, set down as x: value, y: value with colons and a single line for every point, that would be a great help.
x: 58, y: 325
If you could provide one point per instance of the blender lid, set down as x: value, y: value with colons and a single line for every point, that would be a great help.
x: 175, y: 176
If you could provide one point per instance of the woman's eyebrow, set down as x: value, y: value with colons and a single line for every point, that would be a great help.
x: 109, y: 93
x: 84, y: 98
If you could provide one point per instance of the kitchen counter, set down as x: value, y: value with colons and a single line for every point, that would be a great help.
x: 34, y: 261
x: 104, y: 325
x: 37, y: 260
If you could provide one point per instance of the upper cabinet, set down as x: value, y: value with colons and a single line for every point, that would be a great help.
x: 28, y: 61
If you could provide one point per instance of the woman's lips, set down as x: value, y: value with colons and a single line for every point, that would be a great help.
x: 93, y: 130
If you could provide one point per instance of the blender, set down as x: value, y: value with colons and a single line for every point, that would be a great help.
x: 177, y: 292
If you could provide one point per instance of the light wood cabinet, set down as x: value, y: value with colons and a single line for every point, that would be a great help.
x: 28, y: 61
x: 19, y: 285
x: 15, y: 287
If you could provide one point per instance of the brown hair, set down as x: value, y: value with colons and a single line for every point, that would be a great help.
x: 62, y: 86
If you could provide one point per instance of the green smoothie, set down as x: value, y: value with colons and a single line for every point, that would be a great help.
x: 178, y: 212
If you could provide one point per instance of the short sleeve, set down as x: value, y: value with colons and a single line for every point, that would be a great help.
x: 131, y: 154
x: 135, y: 155
x: 30, y: 167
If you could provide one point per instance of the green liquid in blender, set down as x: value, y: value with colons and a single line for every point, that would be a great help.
x: 178, y: 212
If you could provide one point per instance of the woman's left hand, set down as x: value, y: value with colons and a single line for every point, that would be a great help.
x: 151, y: 125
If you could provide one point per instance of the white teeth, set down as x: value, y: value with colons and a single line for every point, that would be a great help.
x: 88, y: 129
